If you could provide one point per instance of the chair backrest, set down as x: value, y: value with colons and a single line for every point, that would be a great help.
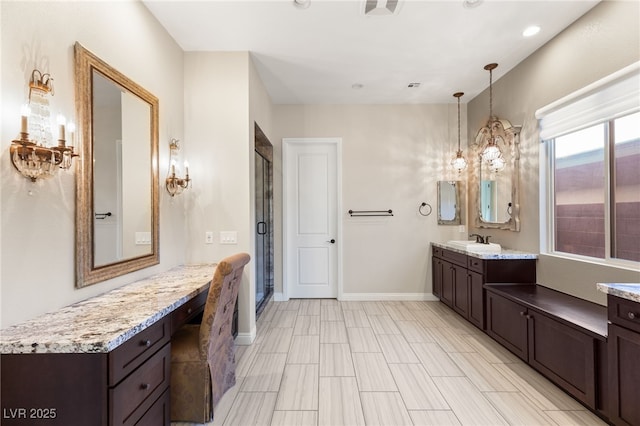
x: 223, y: 292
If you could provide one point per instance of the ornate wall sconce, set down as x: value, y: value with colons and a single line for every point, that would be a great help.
x: 34, y: 157
x: 175, y: 184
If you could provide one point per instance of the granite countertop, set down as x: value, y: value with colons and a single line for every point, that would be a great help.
x: 629, y: 291
x: 504, y: 253
x: 100, y: 324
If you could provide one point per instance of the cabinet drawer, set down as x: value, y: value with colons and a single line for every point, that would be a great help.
x: 159, y: 413
x: 187, y: 311
x: 624, y: 312
x: 453, y: 257
x: 128, y: 356
x: 475, y: 264
x: 132, y: 398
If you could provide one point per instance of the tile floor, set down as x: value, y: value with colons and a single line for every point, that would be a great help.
x: 324, y: 362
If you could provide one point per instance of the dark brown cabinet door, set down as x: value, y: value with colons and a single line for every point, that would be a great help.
x: 437, y: 276
x: 446, y: 294
x: 563, y: 354
x: 476, y: 299
x: 507, y: 324
x: 624, y: 375
x: 460, y: 290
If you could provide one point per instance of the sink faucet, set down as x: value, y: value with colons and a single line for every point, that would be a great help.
x: 480, y: 239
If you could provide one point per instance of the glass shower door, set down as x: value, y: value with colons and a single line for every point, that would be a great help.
x: 264, y: 231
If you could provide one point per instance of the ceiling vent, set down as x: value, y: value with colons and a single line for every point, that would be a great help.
x: 381, y: 7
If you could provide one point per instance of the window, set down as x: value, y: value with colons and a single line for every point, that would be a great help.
x: 590, y: 171
x: 596, y: 190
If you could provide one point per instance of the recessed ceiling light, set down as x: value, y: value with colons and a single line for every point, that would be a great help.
x: 531, y: 31
x: 302, y: 4
x: 357, y: 86
x: 469, y: 4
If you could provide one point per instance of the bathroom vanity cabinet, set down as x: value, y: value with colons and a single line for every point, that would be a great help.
x: 458, y: 277
x: 624, y: 358
x: 104, y: 361
x: 561, y: 336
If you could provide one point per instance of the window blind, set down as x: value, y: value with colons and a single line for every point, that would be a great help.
x: 610, y: 97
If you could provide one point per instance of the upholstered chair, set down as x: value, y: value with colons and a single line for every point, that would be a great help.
x: 202, y: 355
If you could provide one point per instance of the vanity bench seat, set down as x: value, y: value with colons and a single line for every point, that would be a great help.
x: 103, y: 361
x: 561, y: 336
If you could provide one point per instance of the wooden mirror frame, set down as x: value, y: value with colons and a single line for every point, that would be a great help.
x: 457, y: 220
x: 86, y: 273
x: 510, y: 137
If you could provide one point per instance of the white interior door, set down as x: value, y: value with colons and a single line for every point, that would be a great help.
x: 311, y: 205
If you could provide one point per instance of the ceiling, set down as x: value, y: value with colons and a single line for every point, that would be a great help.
x: 315, y: 55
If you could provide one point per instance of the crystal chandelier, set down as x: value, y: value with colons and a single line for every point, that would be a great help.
x: 491, y: 151
x: 459, y: 163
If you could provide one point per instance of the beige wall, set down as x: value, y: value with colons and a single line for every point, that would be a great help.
x: 603, y: 41
x: 37, y: 240
x: 219, y: 136
x: 392, y: 157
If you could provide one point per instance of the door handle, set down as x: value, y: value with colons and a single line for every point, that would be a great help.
x: 264, y: 228
x: 332, y: 241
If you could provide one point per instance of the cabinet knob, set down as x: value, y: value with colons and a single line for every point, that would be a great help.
x: 144, y: 386
x: 631, y: 315
x: 189, y: 310
x: 523, y: 313
x: 146, y: 343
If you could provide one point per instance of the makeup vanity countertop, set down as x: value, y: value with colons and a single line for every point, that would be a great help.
x: 629, y: 291
x: 100, y: 324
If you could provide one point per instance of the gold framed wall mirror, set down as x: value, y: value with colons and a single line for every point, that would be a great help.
x: 117, y: 211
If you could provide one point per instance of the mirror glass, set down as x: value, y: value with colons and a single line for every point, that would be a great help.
x: 117, y: 186
x: 498, y: 182
x: 121, y: 147
x: 448, y: 203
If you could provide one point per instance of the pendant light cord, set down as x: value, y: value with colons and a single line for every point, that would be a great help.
x: 458, y: 123
x: 490, y: 94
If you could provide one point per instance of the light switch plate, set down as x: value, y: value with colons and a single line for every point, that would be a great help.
x: 228, y: 237
x: 143, y: 238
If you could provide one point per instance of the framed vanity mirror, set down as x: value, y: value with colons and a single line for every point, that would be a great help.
x: 497, y: 195
x: 449, y: 202
x: 117, y: 183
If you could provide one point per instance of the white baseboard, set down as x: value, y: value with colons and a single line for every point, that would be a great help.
x: 279, y: 297
x: 388, y: 296
x: 245, y: 339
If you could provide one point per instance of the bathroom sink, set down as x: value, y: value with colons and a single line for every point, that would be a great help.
x: 472, y: 246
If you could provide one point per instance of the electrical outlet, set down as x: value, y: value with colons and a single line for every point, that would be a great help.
x: 208, y: 237
x: 229, y: 237
x: 462, y: 229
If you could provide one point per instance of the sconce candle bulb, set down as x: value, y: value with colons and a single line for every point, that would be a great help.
x: 71, y: 128
x: 175, y: 184
x: 61, y: 131
x: 25, y: 111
